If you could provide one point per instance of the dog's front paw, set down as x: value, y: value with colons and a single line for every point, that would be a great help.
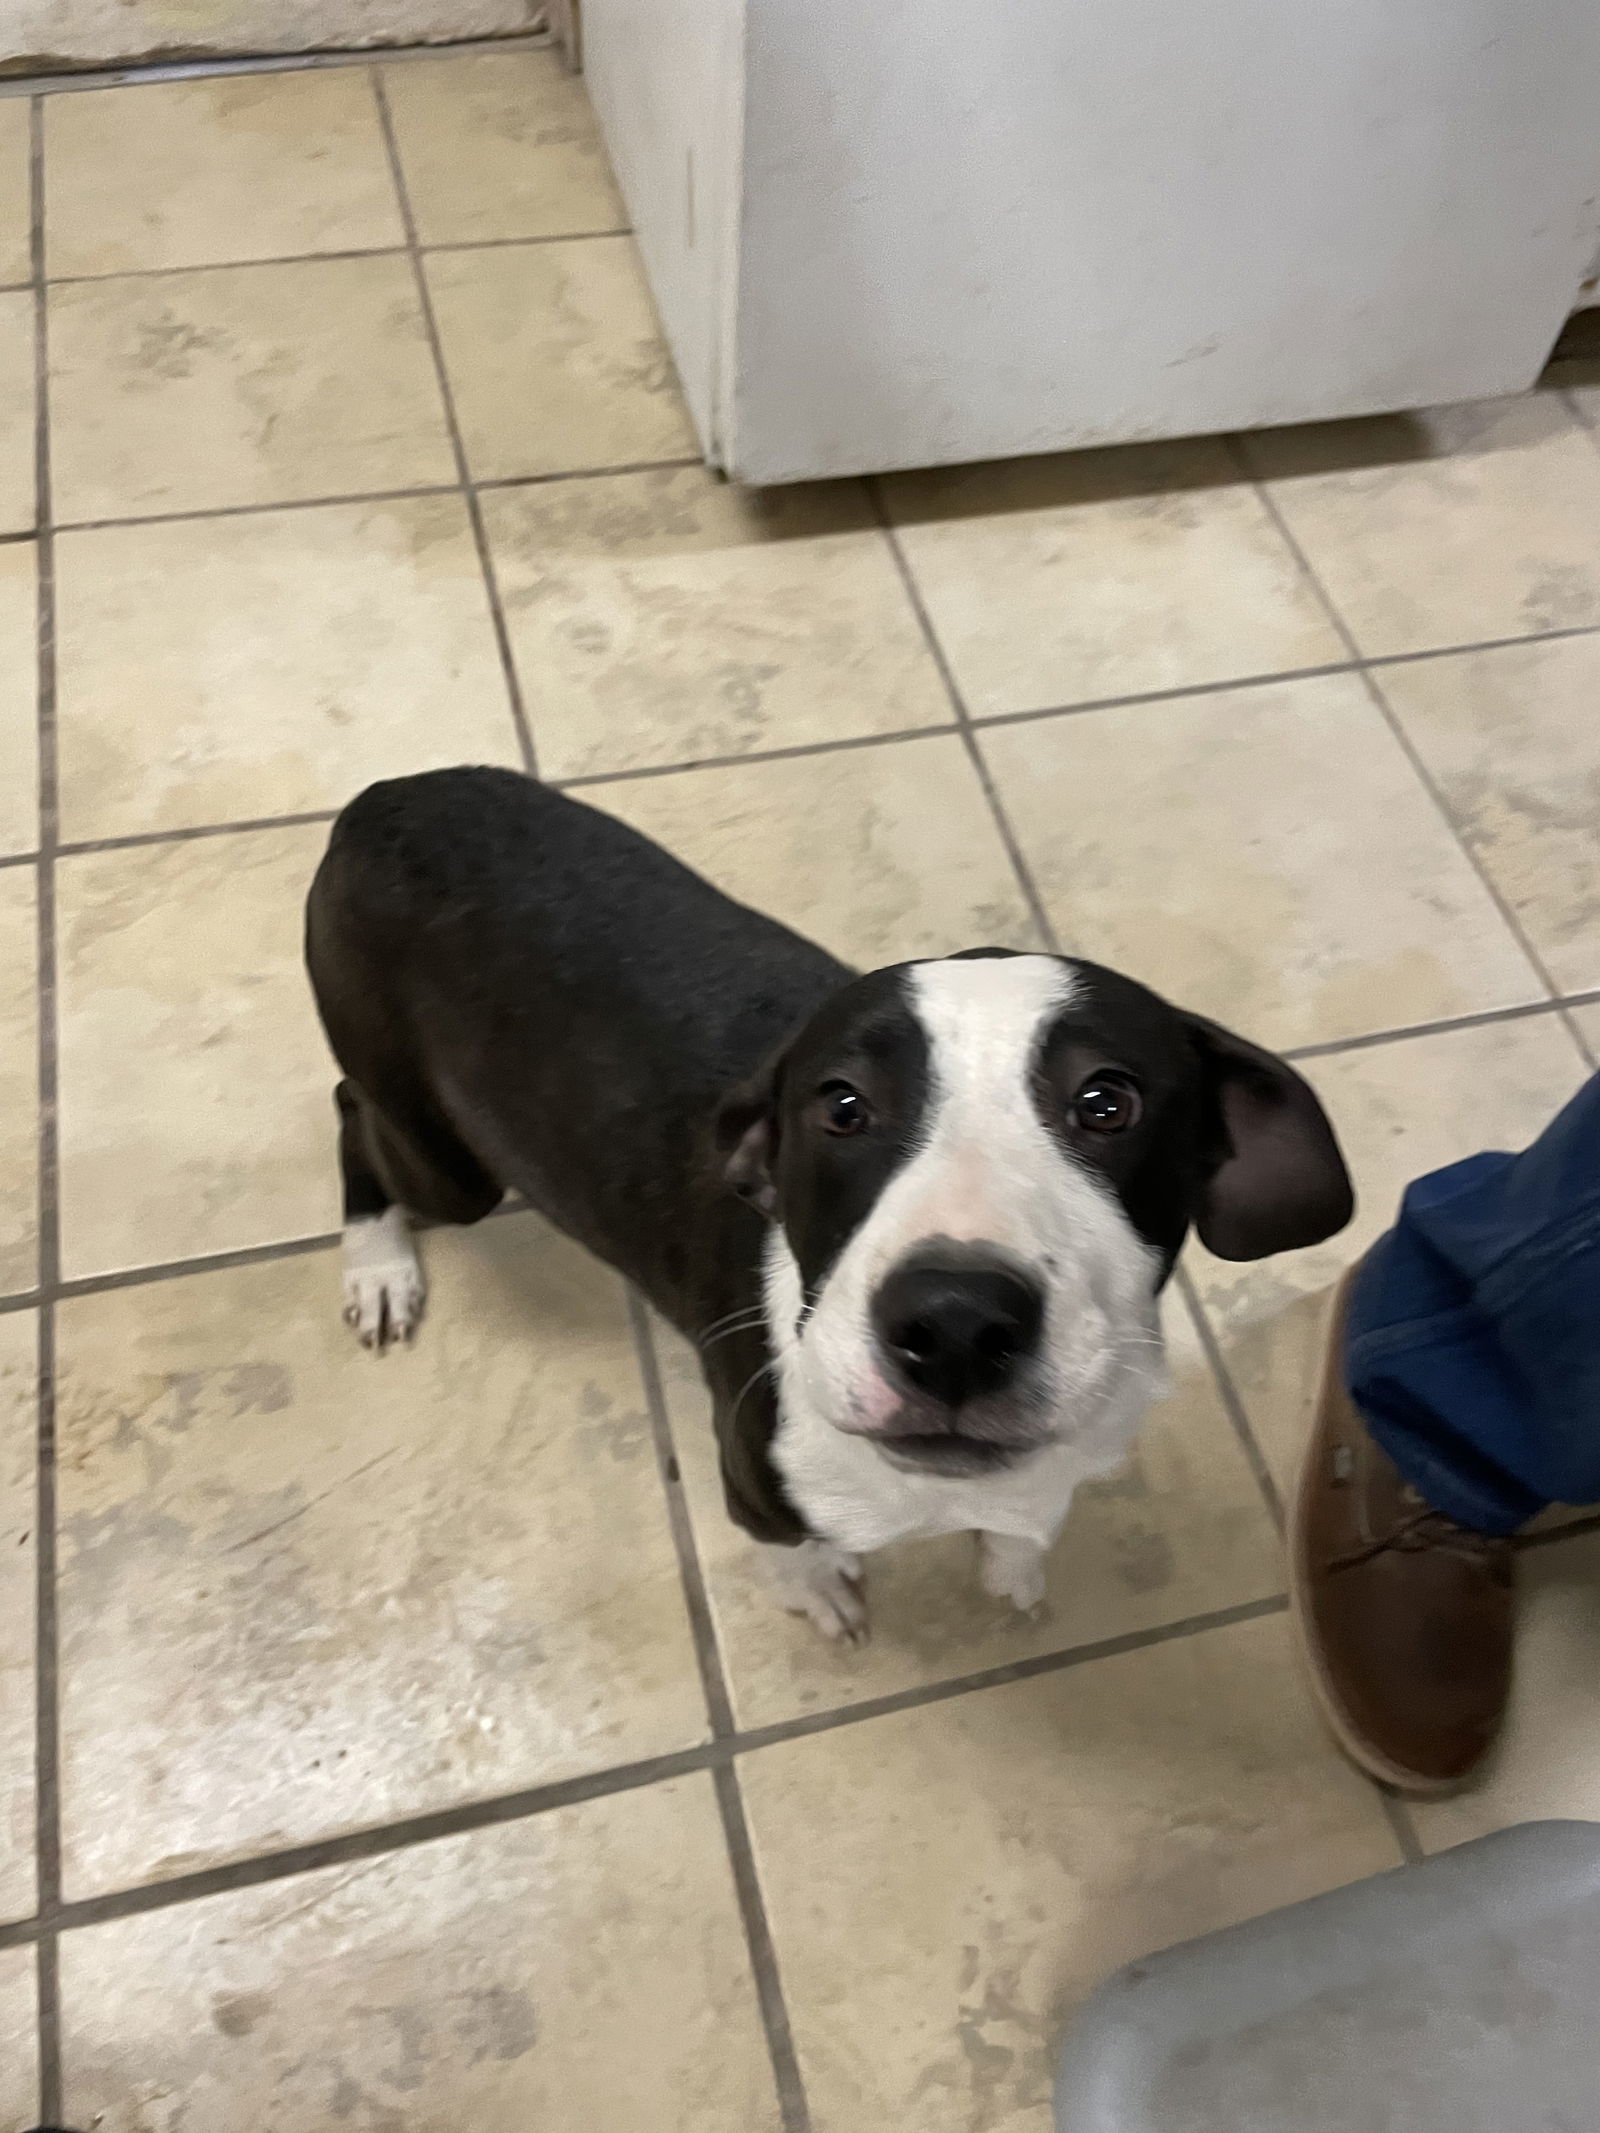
x: 1012, y: 1570
x: 823, y: 1583
x: 384, y: 1289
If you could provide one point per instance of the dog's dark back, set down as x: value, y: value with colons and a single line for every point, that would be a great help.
x: 507, y: 974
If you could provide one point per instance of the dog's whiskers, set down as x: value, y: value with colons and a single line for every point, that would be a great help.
x: 728, y: 1317
x: 748, y: 1387
x: 751, y: 1322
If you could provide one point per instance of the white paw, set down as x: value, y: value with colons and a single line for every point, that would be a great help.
x: 383, y: 1285
x: 823, y: 1583
x: 1012, y: 1570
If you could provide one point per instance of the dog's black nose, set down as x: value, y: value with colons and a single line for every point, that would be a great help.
x: 958, y: 1328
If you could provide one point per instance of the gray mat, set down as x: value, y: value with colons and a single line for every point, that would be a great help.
x: 1458, y: 1996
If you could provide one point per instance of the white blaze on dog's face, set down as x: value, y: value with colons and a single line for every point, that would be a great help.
x: 996, y: 1297
x: 984, y: 1168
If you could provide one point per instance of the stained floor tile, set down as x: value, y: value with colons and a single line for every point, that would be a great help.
x: 1546, y: 1765
x: 19, y: 1081
x: 582, y: 1969
x: 883, y: 884
x: 19, y: 2041
x: 321, y: 649
x: 19, y: 1383
x: 555, y: 358
x: 194, y: 173
x: 1059, y: 581
x: 1512, y: 740
x: 946, y: 1884
x: 1400, y: 1110
x: 17, y: 360
x: 305, y: 1589
x: 16, y: 191
x: 242, y: 385
x: 19, y: 699
x: 195, y: 1088
x: 1266, y: 856
x: 1450, y: 526
x: 657, y: 618
x: 502, y: 145
x: 1180, y: 1532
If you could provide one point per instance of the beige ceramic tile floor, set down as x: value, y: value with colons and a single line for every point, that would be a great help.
x: 417, y: 1749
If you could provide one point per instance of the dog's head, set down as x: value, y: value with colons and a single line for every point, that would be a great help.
x: 983, y: 1168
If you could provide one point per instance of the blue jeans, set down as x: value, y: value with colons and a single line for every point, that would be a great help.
x: 1473, y: 1341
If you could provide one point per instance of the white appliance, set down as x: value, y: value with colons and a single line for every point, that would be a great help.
x: 888, y: 233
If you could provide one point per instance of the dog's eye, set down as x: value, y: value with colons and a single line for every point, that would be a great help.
x: 844, y: 1110
x: 1107, y: 1103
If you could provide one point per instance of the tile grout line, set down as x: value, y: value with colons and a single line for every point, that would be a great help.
x: 47, y: 1734
x: 480, y: 533
x: 962, y: 716
x: 1398, y: 1816
x: 1591, y: 1053
x: 1573, y: 1529
x: 342, y: 255
x: 372, y: 497
x: 70, y: 81
x: 1233, y: 1406
x: 1358, y: 663
x: 1381, y: 704
x: 585, y: 780
x: 502, y: 244
x: 136, y: 1277
x: 468, y: 1816
x: 708, y: 1654
x: 1379, y: 698
x: 1481, y: 1018
x: 193, y: 833
x: 314, y: 259
x: 774, y: 2009
x: 71, y: 1287
x: 360, y: 496
x: 1431, y: 787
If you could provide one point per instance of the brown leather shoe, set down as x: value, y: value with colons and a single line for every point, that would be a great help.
x: 1405, y: 1618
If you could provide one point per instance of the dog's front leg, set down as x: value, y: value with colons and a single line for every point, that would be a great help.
x: 1013, y: 1570
x: 821, y: 1582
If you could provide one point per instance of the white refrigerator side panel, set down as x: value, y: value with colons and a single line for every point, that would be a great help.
x: 972, y: 232
x: 666, y: 79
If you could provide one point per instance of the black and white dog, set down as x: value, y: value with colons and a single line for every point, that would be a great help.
x: 928, y: 1302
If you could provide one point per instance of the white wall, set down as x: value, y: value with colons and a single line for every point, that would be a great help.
x: 41, y: 35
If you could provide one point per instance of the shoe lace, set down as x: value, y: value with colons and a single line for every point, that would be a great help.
x: 1422, y: 1529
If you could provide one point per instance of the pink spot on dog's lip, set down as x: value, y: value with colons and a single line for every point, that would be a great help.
x: 873, y: 1402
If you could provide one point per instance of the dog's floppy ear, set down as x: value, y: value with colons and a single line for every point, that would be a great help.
x: 746, y: 1130
x: 1281, y: 1182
